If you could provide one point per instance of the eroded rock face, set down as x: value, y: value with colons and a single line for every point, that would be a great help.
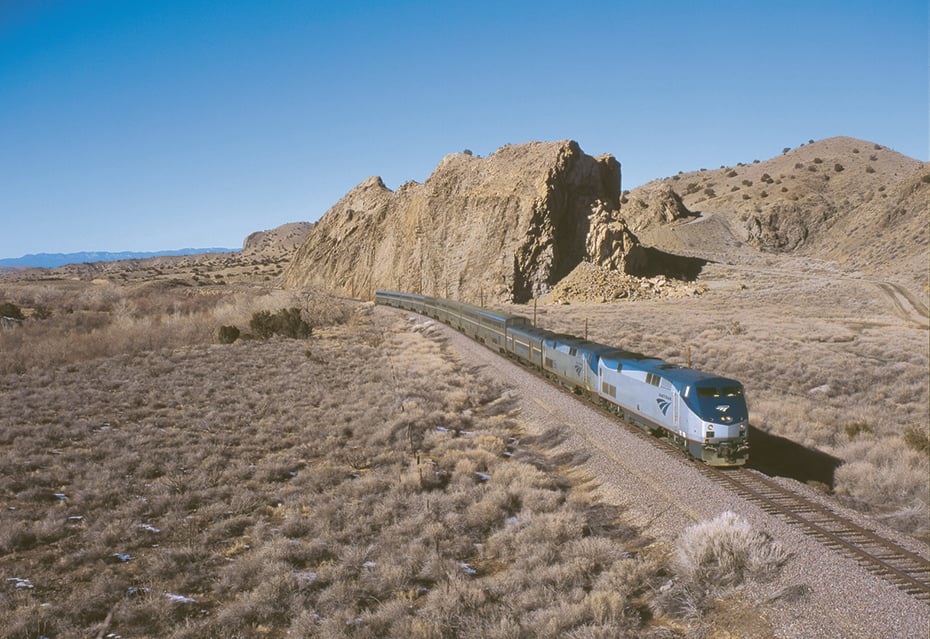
x: 505, y: 227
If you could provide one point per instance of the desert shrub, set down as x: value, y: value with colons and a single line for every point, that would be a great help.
x: 887, y: 478
x: 726, y: 551
x: 837, y: 167
x: 8, y: 309
x: 854, y: 429
x: 228, y: 334
x: 818, y: 161
x: 869, y: 169
x: 709, y: 192
x: 716, y: 556
x: 917, y: 438
x: 42, y: 312
x: 286, y: 322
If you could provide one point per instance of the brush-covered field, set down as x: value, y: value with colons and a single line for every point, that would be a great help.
x: 828, y: 361
x: 156, y: 482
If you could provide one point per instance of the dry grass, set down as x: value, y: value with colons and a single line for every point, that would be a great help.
x: 826, y: 362
x: 361, y: 483
x: 89, y: 320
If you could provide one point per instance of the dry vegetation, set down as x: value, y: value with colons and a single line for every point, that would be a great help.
x: 360, y: 483
x: 825, y: 360
x: 75, y: 320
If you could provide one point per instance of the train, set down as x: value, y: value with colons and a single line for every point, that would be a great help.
x: 703, y: 414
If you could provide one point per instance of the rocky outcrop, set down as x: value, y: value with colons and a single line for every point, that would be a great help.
x: 506, y: 227
x: 657, y: 204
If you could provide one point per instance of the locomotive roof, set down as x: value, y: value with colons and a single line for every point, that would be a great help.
x: 680, y: 375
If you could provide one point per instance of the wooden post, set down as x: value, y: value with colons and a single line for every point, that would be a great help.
x: 689, y: 355
x: 586, y: 329
x: 534, y: 312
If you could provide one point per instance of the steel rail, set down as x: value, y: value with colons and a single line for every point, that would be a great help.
x: 908, y: 571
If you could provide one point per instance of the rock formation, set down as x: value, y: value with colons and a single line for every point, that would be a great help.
x: 658, y: 204
x: 281, y: 241
x: 506, y: 227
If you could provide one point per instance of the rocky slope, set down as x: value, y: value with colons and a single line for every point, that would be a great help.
x: 279, y: 242
x: 853, y: 202
x: 504, y: 227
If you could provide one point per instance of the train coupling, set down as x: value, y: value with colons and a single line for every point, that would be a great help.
x: 732, y: 452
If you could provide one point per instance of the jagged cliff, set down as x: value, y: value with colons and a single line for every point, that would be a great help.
x: 504, y: 227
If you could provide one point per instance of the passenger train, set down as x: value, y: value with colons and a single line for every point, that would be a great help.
x: 704, y: 414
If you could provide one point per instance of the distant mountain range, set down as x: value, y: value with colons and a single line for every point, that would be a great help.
x: 54, y: 260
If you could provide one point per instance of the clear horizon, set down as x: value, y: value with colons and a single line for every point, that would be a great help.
x: 157, y: 126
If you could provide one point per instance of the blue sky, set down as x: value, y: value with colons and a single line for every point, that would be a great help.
x: 155, y: 125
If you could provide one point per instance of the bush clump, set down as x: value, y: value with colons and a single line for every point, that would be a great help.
x: 286, y: 322
x: 917, y: 438
x: 716, y: 556
x: 228, y: 334
x: 8, y: 309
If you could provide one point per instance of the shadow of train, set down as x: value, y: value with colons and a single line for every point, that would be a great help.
x: 777, y: 456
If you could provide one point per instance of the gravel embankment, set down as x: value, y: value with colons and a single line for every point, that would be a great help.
x: 663, y: 495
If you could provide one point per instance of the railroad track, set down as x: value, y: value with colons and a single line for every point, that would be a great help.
x: 908, y: 571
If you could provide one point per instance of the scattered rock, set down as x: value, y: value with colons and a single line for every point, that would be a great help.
x: 591, y: 283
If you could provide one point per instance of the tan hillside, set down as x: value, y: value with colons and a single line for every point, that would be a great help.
x: 502, y: 227
x: 854, y: 202
x: 278, y: 242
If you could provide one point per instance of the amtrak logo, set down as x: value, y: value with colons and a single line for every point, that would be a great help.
x: 663, y: 405
x: 722, y: 408
x: 578, y: 369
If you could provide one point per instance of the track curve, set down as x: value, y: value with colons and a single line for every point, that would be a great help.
x: 908, y: 571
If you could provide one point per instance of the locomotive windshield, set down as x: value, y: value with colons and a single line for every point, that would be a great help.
x: 716, y: 391
x: 724, y: 403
